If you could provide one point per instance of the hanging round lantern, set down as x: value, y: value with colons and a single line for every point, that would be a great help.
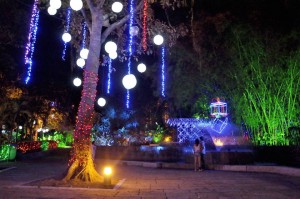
x: 66, y: 37
x: 129, y: 81
x: 51, y: 10
x: 113, y: 55
x: 134, y: 30
x: 77, y: 81
x: 110, y: 47
x: 55, y: 4
x: 84, y: 53
x: 117, y: 7
x: 80, y: 62
x: 76, y: 4
x: 158, y: 40
x: 101, y: 101
x: 141, y: 67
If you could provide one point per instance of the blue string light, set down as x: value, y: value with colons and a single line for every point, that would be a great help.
x: 163, y: 72
x: 83, y: 35
x: 31, y: 40
x: 109, y: 76
x: 129, y: 49
x: 67, y: 30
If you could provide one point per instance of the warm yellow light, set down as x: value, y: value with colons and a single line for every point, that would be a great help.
x: 107, y: 171
x: 218, y: 142
x: 168, y: 139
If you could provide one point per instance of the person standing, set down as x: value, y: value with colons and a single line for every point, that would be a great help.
x: 202, y: 154
x: 197, y: 151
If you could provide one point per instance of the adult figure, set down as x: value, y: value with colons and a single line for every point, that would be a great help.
x: 202, y: 153
x: 197, y: 151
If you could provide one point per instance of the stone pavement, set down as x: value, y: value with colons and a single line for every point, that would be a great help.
x: 147, y: 182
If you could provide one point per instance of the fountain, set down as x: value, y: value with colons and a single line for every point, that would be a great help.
x: 223, y: 139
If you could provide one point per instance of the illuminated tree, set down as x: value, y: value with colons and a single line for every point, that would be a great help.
x: 103, y: 24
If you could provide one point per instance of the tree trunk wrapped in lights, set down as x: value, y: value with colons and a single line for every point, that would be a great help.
x: 81, y: 165
x: 96, y: 14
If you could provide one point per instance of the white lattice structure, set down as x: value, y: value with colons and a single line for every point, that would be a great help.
x: 189, y: 128
x: 219, y: 125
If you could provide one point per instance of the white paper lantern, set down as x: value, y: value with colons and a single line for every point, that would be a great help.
x: 134, y: 30
x: 77, y: 81
x: 84, y: 53
x: 110, y: 47
x: 55, y: 4
x: 129, y: 81
x: 76, y: 4
x: 141, y: 67
x: 158, y: 40
x: 113, y: 55
x: 66, y: 37
x: 80, y: 62
x: 51, y: 11
x: 117, y: 7
x: 101, y: 101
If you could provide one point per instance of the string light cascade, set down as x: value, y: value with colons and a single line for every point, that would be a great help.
x: 66, y: 30
x: 109, y: 76
x: 31, y: 40
x: 129, y: 49
x: 144, y: 39
x: 84, y: 120
x: 163, y: 72
x: 83, y: 35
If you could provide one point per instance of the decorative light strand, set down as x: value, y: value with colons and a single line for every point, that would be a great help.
x: 83, y: 35
x: 31, y: 39
x: 163, y: 72
x: 109, y: 77
x: 144, y: 39
x: 67, y: 30
x: 31, y: 28
x: 129, y: 49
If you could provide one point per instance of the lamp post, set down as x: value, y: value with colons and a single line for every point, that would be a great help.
x: 107, y: 176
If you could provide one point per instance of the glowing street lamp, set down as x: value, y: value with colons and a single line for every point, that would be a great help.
x: 80, y: 62
x: 158, y: 40
x: 76, y: 4
x: 107, y: 176
x: 77, y: 81
x: 141, y: 67
x: 66, y: 37
x: 110, y: 47
x: 117, y: 7
x: 55, y: 4
x: 113, y: 55
x: 101, y: 101
x: 51, y: 10
x: 129, y: 81
x: 84, y: 53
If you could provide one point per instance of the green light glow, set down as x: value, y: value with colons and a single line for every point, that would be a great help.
x: 269, y: 105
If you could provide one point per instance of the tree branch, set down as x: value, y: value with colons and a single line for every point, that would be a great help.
x: 88, y: 22
x: 91, y: 6
x: 119, y: 23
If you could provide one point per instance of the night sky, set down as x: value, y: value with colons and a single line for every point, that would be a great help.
x: 50, y: 72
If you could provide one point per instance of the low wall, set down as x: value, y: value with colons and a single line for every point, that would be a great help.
x: 171, y: 154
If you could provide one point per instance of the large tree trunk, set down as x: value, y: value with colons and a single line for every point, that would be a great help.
x: 81, y: 164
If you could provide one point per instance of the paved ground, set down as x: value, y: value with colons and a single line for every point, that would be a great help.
x: 143, y: 182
